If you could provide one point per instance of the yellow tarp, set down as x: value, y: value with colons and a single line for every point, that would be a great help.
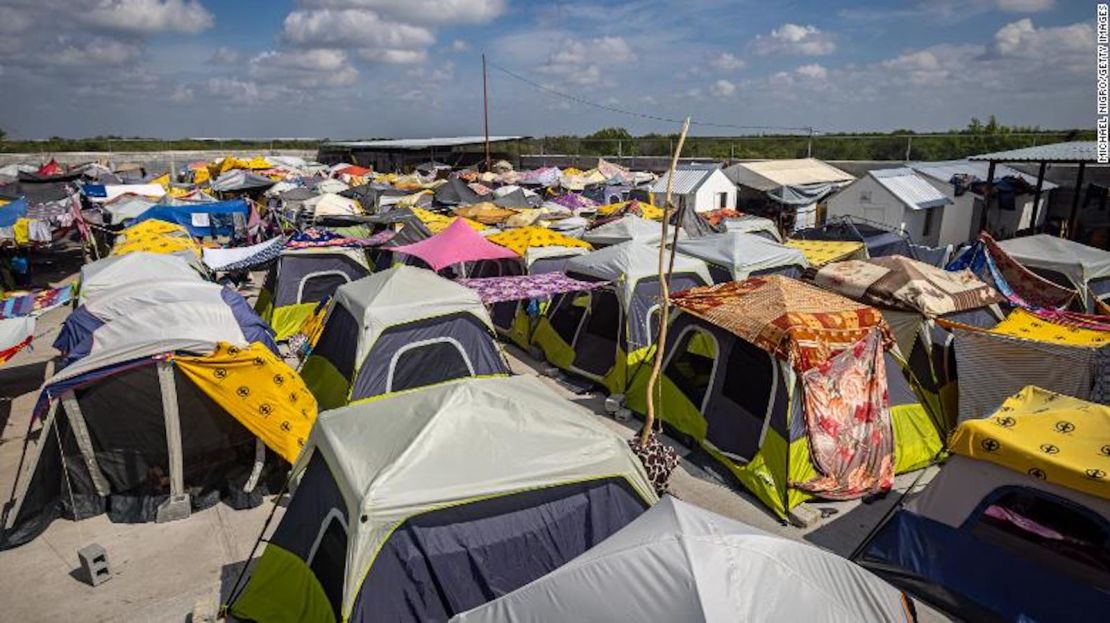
x: 438, y: 222
x: 1023, y: 324
x: 1056, y: 438
x: 153, y: 227
x: 162, y: 180
x: 259, y: 390
x: 821, y: 252
x: 647, y: 210
x: 155, y: 236
x: 524, y: 238
x: 201, y: 176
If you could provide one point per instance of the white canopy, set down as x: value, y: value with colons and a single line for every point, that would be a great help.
x: 678, y: 562
x: 330, y: 204
x: 404, y: 294
x: 741, y: 253
x: 1079, y: 262
x: 138, y: 267
x: 412, y: 452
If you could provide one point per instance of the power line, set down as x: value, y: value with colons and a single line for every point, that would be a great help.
x: 632, y: 113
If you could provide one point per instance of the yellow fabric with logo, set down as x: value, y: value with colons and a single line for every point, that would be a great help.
x: 1050, y: 436
x: 438, y: 222
x: 821, y: 252
x: 1023, y: 324
x: 524, y: 238
x: 155, y: 236
x: 259, y: 390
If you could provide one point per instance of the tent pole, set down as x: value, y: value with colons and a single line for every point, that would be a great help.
x: 660, y: 343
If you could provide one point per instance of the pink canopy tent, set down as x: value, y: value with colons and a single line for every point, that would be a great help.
x: 456, y: 244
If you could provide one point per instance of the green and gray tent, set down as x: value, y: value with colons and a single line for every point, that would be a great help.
x: 605, y: 335
x: 733, y: 256
x: 425, y: 504
x: 300, y: 278
x: 732, y: 382
x: 400, y: 329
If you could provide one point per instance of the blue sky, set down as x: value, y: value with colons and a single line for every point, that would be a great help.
x: 391, y: 68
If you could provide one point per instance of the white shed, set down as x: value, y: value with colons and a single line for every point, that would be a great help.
x: 903, y: 200
x: 799, y: 184
x: 969, y: 205
x: 702, y: 187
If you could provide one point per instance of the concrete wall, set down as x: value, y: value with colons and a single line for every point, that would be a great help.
x: 867, y: 199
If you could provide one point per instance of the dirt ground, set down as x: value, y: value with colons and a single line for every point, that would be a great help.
x: 161, y: 572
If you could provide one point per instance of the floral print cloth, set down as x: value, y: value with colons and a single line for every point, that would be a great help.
x: 847, y: 412
x: 522, y: 287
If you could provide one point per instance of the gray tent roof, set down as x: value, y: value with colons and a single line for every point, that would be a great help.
x: 629, y: 262
x: 678, y: 562
x: 628, y: 227
x: 740, y: 252
x: 1079, y: 262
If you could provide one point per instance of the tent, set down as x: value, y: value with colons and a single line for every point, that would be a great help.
x: 301, y: 278
x: 424, y: 504
x: 132, y: 268
x: 1016, y: 524
x: 761, y: 372
x: 1066, y: 263
x: 624, y: 229
x: 219, y: 218
x: 75, y: 338
x: 606, y: 334
x: 1059, y: 354
x: 171, y: 410
x: 400, y: 329
x: 156, y: 236
x: 912, y: 295
x: 458, y: 245
x: 331, y: 204
x: 821, y: 252
x: 678, y: 562
x: 1021, y: 286
x: 736, y: 256
x: 544, y: 251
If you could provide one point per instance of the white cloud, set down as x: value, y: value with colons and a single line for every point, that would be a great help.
x: 812, y: 71
x: 182, y: 94
x: 1026, y: 6
x: 722, y: 88
x: 1070, y: 45
x: 458, y: 45
x: 354, y: 28
x: 241, y: 91
x: 394, y: 57
x: 577, y: 61
x: 304, y: 68
x: 225, y: 56
x: 93, y: 53
x: 726, y: 61
x: 421, y: 11
x: 444, y: 73
x: 795, y: 39
x: 147, y: 16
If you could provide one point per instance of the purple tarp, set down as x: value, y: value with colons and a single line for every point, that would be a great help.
x: 501, y: 289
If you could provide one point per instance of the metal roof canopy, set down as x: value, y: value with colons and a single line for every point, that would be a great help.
x: 768, y: 174
x: 944, y: 170
x: 1074, y: 152
x: 909, y: 188
x: 424, y: 143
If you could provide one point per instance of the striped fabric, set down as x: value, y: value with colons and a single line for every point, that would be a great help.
x: 993, y: 367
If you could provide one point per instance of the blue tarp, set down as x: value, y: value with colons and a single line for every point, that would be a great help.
x: 12, y: 212
x: 98, y: 191
x: 201, y: 219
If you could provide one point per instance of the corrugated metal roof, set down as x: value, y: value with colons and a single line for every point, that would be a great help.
x: 686, y: 180
x: 910, y: 188
x: 943, y: 171
x: 1075, y: 151
x: 424, y: 143
x: 777, y: 173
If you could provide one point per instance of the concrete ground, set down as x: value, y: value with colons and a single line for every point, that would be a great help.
x: 161, y: 572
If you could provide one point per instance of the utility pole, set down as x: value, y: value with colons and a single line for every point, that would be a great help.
x: 485, y: 106
x: 809, y: 144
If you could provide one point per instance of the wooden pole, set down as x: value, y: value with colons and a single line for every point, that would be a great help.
x: 485, y: 106
x: 661, y: 341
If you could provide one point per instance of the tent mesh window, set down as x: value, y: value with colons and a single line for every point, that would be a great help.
x: 691, y: 366
x: 338, y: 341
x: 504, y: 313
x: 736, y: 420
x: 596, y: 346
x: 1049, y: 529
x: 428, y: 364
x: 318, y: 287
x: 567, y: 312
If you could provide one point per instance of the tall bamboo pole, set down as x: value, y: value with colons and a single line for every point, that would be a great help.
x: 661, y: 341
x: 485, y: 107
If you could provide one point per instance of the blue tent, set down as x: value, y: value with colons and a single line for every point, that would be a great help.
x: 201, y: 219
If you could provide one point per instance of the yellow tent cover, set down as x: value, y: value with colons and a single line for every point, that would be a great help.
x: 1049, y: 436
x: 524, y: 238
x: 1025, y: 325
x: 821, y: 252
x: 438, y: 222
x: 647, y: 210
x: 259, y: 390
x: 153, y: 227
x: 157, y: 244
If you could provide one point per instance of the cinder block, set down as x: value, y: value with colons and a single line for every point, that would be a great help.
x: 173, y: 509
x: 94, y: 563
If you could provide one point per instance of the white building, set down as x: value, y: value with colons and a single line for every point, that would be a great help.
x: 903, y: 200
x: 799, y: 184
x: 968, y: 206
x: 701, y: 187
